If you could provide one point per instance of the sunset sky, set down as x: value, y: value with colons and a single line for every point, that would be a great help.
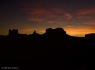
x: 76, y: 17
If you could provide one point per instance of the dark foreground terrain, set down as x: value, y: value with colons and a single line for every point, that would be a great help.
x: 52, y: 50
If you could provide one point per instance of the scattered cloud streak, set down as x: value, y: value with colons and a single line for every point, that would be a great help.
x: 39, y: 14
x: 43, y: 11
x: 91, y: 22
x: 59, y: 12
x: 69, y: 16
x: 86, y: 11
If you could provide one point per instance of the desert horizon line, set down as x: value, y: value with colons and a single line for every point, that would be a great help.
x: 75, y: 35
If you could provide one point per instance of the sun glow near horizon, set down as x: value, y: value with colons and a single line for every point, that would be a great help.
x: 73, y: 31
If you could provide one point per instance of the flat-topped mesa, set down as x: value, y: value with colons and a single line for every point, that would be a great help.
x: 90, y: 35
x: 13, y: 32
x: 56, y: 31
x: 60, y: 31
x: 49, y: 31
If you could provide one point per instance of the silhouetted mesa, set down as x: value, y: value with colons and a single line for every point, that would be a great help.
x: 49, y: 31
x: 54, y: 46
x: 90, y: 35
x: 13, y: 32
x: 55, y: 32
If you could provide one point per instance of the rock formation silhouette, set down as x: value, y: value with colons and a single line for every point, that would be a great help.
x: 13, y: 32
x: 55, y: 48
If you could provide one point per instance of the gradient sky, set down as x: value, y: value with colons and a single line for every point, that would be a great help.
x: 77, y: 17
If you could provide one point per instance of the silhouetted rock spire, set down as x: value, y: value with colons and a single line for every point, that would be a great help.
x: 34, y: 32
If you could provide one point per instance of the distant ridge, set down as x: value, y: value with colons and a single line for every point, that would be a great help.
x: 49, y: 31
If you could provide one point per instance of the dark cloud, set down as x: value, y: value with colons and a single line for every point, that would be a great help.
x: 60, y: 7
x: 48, y: 12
